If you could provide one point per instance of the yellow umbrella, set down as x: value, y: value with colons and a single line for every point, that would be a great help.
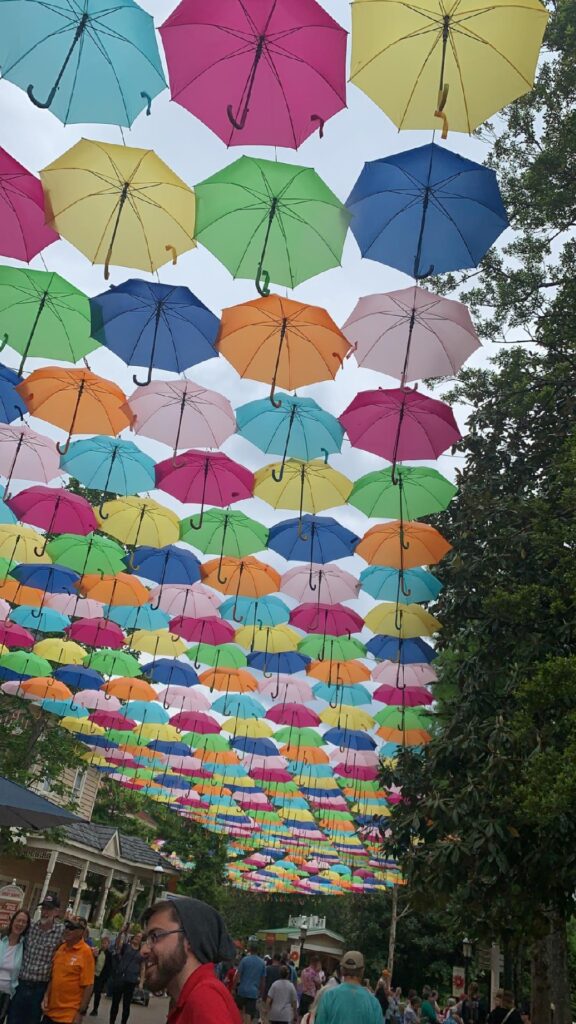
x: 457, y: 60
x: 271, y: 639
x: 407, y: 620
x: 64, y: 652
x: 157, y: 731
x: 82, y: 726
x: 253, y: 727
x: 119, y: 205
x: 306, y: 486
x: 139, y: 521
x: 20, y: 543
x: 157, y: 642
x: 346, y: 717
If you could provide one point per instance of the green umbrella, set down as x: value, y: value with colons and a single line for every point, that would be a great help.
x: 418, y: 491
x: 403, y: 718
x: 299, y: 737
x: 113, y: 663
x: 271, y: 221
x: 41, y: 314
x: 202, y: 741
x: 331, y: 648
x: 25, y: 663
x: 89, y: 554
x: 225, y: 533
x: 222, y: 656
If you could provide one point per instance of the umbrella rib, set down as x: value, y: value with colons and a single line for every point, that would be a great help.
x: 23, y: 56
x: 290, y: 212
x: 479, y: 39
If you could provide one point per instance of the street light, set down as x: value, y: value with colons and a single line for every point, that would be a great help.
x: 303, y: 934
x: 467, y: 954
x: 156, y: 880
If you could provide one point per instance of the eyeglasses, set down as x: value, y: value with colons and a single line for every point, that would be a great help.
x: 157, y: 934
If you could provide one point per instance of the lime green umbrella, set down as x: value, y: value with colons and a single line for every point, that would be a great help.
x: 415, y: 492
x: 113, y: 663
x: 41, y: 314
x: 24, y: 663
x: 89, y: 554
x: 203, y: 741
x: 225, y: 533
x: 299, y: 737
x: 407, y: 718
x: 271, y: 221
x: 331, y: 648
x: 222, y: 656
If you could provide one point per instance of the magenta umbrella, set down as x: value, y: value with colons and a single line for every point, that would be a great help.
x: 12, y: 635
x: 411, y: 334
x: 328, y: 581
x: 23, y: 230
x: 54, y: 510
x: 195, y: 721
x: 403, y: 696
x: 261, y: 73
x: 204, y: 478
x: 294, y: 715
x: 207, y: 630
x: 331, y: 619
x: 27, y: 455
x: 193, y: 599
x: 112, y: 720
x: 399, y: 424
x: 182, y: 414
x: 97, y: 632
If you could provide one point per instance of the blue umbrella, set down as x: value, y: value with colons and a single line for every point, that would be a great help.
x: 168, y: 565
x: 264, y: 611
x: 316, y: 771
x: 406, y: 586
x: 426, y: 211
x: 91, y: 62
x: 264, y: 747
x: 288, y: 662
x: 64, y: 708
x: 154, y: 325
x: 142, y: 617
x: 170, y: 672
x: 407, y: 652
x: 298, y: 428
x: 110, y: 465
x: 145, y: 711
x: 12, y: 407
x: 312, y: 539
x: 56, y: 579
x: 240, y: 705
x: 79, y: 678
x: 172, y: 747
x: 45, y: 620
x: 351, y: 739
x: 338, y: 693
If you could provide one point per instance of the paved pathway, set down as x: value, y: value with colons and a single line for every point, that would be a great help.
x: 155, y: 1013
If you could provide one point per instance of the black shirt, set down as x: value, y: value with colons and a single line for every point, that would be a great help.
x: 273, y: 973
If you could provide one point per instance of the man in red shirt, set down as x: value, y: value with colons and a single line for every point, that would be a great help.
x: 183, y: 940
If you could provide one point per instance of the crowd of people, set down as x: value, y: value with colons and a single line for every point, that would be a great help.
x: 51, y: 972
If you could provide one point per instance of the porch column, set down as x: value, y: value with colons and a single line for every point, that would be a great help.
x: 80, y: 880
x: 48, y: 876
x: 101, y: 912
x: 131, y: 900
x: 494, y: 971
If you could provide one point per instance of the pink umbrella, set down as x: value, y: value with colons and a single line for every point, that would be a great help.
x: 184, y: 698
x: 5, y: 609
x: 331, y: 619
x: 12, y: 635
x: 294, y: 715
x: 97, y: 700
x: 191, y: 800
x: 175, y: 599
x: 394, y: 674
x: 204, y: 478
x: 271, y: 775
x: 329, y: 581
x: 260, y: 761
x: 286, y: 689
x: 96, y: 633
x: 411, y: 334
x: 403, y: 696
x: 195, y: 721
x: 191, y: 766
x: 207, y: 630
x: 365, y: 758
x: 12, y: 688
x: 182, y: 414
x: 262, y: 73
x: 53, y: 510
x: 27, y: 455
x: 23, y: 231
x: 69, y: 604
x: 112, y: 720
x: 400, y: 424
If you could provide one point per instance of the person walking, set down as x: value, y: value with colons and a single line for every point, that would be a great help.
x: 127, y: 971
x: 274, y: 973
x: 250, y: 983
x: 473, y: 1009
x: 282, y: 1000
x: 349, y: 1001
x: 67, y: 997
x: 310, y: 984
x: 183, y: 940
x: 427, y: 1008
x: 11, y: 951
x: 412, y: 1010
x: 103, y: 972
x: 505, y: 1012
x: 41, y: 942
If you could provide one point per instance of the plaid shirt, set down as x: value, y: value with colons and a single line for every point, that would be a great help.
x: 39, y: 948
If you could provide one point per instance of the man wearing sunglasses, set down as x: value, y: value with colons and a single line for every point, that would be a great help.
x: 68, y: 994
x: 183, y: 940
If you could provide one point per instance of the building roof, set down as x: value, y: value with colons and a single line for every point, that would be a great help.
x: 132, y: 848
x: 294, y: 933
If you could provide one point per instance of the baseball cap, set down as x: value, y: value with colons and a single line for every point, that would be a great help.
x: 353, y: 960
x: 52, y: 902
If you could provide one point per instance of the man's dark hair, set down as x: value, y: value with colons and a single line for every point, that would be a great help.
x: 253, y: 947
x: 284, y: 972
x: 277, y: 958
x: 157, y: 908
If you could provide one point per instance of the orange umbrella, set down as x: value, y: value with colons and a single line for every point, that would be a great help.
x: 281, y: 342
x: 216, y: 756
x: 343, y: 672
x: 240, y: 576
x: 408, y: 737
x: 120, y: 589
x: 403, y: 545
x: 46, y: 688
x: 306, y: 755
x: 79, y: 401
x: 229, y: 680
x: 18, y: 593
x: 126, y: 688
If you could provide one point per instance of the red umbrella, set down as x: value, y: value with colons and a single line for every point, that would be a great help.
x: 202, y: 478
x: 23, y: 228
x: 194, y: 721
x: 54, y: 510
x: 331, y: 619
x: 403, y: 696
x: 97, y: 632
x: 112, y: 720
x: 294, y: 715
x: 12, y: 635
x: 209, y: 630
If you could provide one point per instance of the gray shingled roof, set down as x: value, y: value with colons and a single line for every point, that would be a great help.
x: 132, y: 848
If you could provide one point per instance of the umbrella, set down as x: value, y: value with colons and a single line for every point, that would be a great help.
x: 119, y: 205
x: 229, y: 680
x: 389, y: 673
x: 334, y: 619
x: 329, y: 580
x: 426, y: 211
x: 349, y: 739
x: 289, y: 662
x: 27, y: 455
x: 53, y: 510
x: 271, y: 221
x: 170, y: 673
x: 282, y: 343
x: 114, y: 589
x: 223, y: 655
x: 270, y: 639
x: 89, y: 554
x: 239, y: 705
x: 417, y: 492
x: 403, y: 545
x: 136, y: 521
x: 78, y: 401
x: 411, y: 334
x: 331, y: 648
x: 23, y: 232
x: 347, y: 718
x: 41, y: 314
x: 291, y: 427
x: 45, y: 620
x: 11, y: 405
x: 204, y: 477
x: 305, y: 486
x: 180, y: 413
x: 167, y: 565
x: 387, y: 584
x: 13, y: 635
x: 487, y: 55
x: 129, y: 688
x: 310, y: 539
x: 176, y: 599
x: 294, y: 715
x: 285, y: 689
x: 399, y: 424
x: 226, y: 533
x: 97, y: 633
x: 264, y: 611
x: 406, y: 621
x: 64, y: 652
x: 344, y: 673
x: 403, y: 696
x: 405, y: 652
x: 338, y: 693
x: 21, y: 808
x: 246, y: 577
x: 85, y: 63
x: 22, y: 665
x: 154, y: 325
x: 113, y: 663
x: 260, y: 74
x: 209, y: 630
x: 109, y: 464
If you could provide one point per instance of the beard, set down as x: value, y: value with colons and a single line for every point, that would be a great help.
x: 160, y: 970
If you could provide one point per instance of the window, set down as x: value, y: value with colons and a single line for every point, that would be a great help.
x: 78, y: 784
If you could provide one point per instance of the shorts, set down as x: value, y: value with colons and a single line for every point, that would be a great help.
x: 248, y: 1006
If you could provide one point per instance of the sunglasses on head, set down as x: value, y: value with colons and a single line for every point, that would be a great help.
x: 73, y: 926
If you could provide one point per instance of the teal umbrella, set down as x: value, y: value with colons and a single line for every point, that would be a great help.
x: 139, y: 617
x: 45, y: 620
x: 296, y: 428
x: 262, y: 611
x: 239, y: 705
x: 407, y: 585
x: 110, y: 465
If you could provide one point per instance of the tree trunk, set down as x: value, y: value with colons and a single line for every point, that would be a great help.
x: 392, y: 935
x: 551, y: 1003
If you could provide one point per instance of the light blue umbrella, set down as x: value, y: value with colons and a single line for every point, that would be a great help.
x: 48, y: 621
x: 240, y: 705
x: 64, y: 708
x: 90, y: 61
x: 407, y: 586
x: 145, y: 711
x: 110, y: 465
x: 337, y: 693
x: 142, y: 617
x: 298, y: 428
x: 6, y: 514
x: 265, y: 611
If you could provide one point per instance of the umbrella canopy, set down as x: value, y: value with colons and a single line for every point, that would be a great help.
x: 312, y: 538
x: 335, y: 619
x: 204, y: 478
x: 54, y: 510
x: 399, y: 424
x: 405, y: 620
x: 415, y: 492
x: 264, y: 611
x: 271, y: 221
x: 109, y: 464
x: 20, y: 808
x: 136, y: 521
x: 147, y: 210
x: 23, y: 231
x: 177, y: 599
x: 405, y: 652
x: 168, y: 565
x: 292, y: 427
x: 180, y: 413
x: 405, y: 585
x: 11, y: 405
x: 154, y: 325
x: 318, y: 582
x: 403, y: 545
x: 117, y: 589
x: 305, y: 486
x: 426, y: 211
x: 85, y: 63
x: 266, y: 74
x: 389, y: 673
x: 90, y: 554
x: 27, y: 455
x: 247, y: 577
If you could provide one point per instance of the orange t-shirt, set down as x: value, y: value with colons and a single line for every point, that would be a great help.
x: 72, y: 971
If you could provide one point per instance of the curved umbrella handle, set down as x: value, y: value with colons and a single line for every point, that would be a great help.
x: 439, y: 112
x: 41, y: 551
x: 101, y: 512
x: 200, y: 521
x: 321, y: 123
x: 274, y: 696
x: 325, y: 453
x: 172, y: 249
x: 239, y: 122
x: 304, y: 537
x: 238, y: 125
x: 143, y: 383
x: 4, y: 341
x: 277, y: 477
x: 335, y: 704
x: 146, y: 96
x: 398, y: 619
x: 237, y: 595
x: 264, y: 287
x: 405, y: 590
x: 63, y: 448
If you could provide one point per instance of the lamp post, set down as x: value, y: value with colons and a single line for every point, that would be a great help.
x: 467, y: 954
x: 303, y: 934
x: 156, y: 881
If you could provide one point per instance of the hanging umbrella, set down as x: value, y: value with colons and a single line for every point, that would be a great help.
x: 335, y: 694
x: 220, y: 656
x: 112, y: 663
x: 403, y: 696
x: 181, y: 413
x: 21, y: 808
x: 403, y: 545
x: 226, y: 533
x: 176, y: 599
x: 347, y: 718
x: 154, y: 325
x: 467, y: 60
x: 411, y: 334
x: 229, y: 681
x: 41, y: 314
x: 51, y: 578
x: 271, y: 221
x: 97, y: 633
x: 64, y: 652
x: 109, y: 464
x: 204, y: 477
x: 11, y: 405
x: 289, y: 662
x: 210, y: 630
x: 239, y: 705
x: 405, y: 586
x: 294, y: 715
x: 166, y: 565
x: 53, y: 510
x: 407, y: 621
x: 45, y: 620
x: 389, y: 673
x: 334, y: 619
x: 23, y: 233
x: 86, y: 555
x: 78, y: 401
x: 137, y: 521
x: 17, y: 593
x: 304, y: 486
x: 264, y: 611
x: 328, y: 581
x: 399, y: 424
x: 127, y: 688
x: 245, y: 577
x: 406, y: 652
x: 147, y: 211
x: 22, y: 665
x: 117, y: 589
x: 312, y: 539
x: 418, y: 491
x: 27, y: 455
x: 407, y: 726
x: 291, y: 427
x: 349, y: 739
x: 331, y: 648
x: 261, y: 74
x: 426, y: 211
x: 340, y: 672
x: 13, y: 635
x: 285, y: 690
x: 269, y: 639
x: 169, y: 672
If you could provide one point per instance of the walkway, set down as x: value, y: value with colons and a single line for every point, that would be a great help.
x: 155, y: 1013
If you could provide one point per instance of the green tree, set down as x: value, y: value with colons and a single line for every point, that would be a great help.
x: 33, y: 746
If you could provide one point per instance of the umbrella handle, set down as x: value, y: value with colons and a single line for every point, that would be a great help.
x: 146, y: 96
x: 200, y: 521
x: 304, y: 537
x: 101, y: 512
x: 321, y: 123
x: 157, y: 318
x: 172, y: 249
x: 239, y: 122
x: 77, y: 36
x: 398, y: 619
x: 262, y: 282
x: 4, y: 341
x: 41, y: 551
x: 237, y: 595
x: 278, y: 477
x: 405, y: 590
x: 143, y: 383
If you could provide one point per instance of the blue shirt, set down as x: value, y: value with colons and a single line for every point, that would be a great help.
x: 251, y: 970
x: 348, y: 1002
